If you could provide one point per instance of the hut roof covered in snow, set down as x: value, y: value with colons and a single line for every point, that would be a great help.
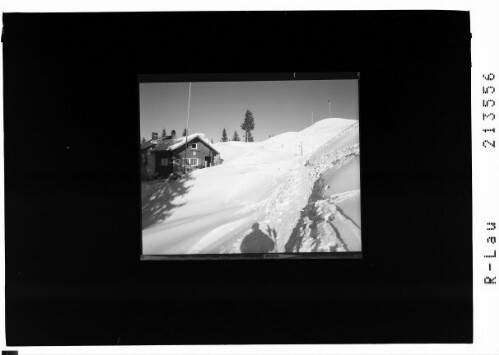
x: 173, y: 144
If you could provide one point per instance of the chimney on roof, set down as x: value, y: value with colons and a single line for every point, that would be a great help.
x: 154, y: 135
x: 174, y: 134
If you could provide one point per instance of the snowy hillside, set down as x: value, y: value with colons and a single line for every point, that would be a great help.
x: 295, y: 192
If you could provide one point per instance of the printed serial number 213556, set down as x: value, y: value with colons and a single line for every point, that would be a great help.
x: 487, y: 102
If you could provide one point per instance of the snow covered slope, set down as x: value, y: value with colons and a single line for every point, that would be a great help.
x: 253, y: 201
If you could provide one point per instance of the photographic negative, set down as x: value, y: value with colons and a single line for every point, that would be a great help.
x: 268, y: 167
x: 73, y: 212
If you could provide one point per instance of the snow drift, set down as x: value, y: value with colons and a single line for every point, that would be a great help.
x: 294, y: 192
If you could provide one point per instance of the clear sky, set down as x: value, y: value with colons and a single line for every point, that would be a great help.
x: 277, y: 106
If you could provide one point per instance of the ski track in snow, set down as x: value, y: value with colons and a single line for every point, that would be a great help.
x: 325, y: 228
x: 283, y: 207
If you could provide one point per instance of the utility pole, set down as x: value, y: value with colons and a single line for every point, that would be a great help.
x: 187, y: 128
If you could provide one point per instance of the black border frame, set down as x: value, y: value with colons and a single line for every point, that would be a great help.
x: 69, y: 87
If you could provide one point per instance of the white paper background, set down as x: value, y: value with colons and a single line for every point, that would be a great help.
x: 485, y: 41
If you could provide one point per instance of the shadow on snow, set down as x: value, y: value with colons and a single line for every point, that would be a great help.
x: 259, y: 242
x: 158, y: 196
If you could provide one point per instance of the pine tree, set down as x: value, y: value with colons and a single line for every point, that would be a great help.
x: 248, y: 124
x: 184, y: 133
x: 250, y: 137
x: 224, y: 136
x: 163, y: 133
x: 236, y: 138
x: 143, y: 140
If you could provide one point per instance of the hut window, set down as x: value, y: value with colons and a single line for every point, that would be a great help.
x: 164, y: 161
x: 191, y: 161
x: 194, y: 146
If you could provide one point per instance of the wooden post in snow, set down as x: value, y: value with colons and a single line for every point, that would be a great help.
x: 187, y: 128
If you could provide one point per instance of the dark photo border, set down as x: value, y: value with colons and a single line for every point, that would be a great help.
x: 72, y: 268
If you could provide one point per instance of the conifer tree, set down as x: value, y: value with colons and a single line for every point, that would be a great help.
x: 184, y: 133
x: 143, y: 140
x: 163, y: 133
x: 236, y: 138
x: 250, y: 137
x: 224, y: 136
x: 249, y: 124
